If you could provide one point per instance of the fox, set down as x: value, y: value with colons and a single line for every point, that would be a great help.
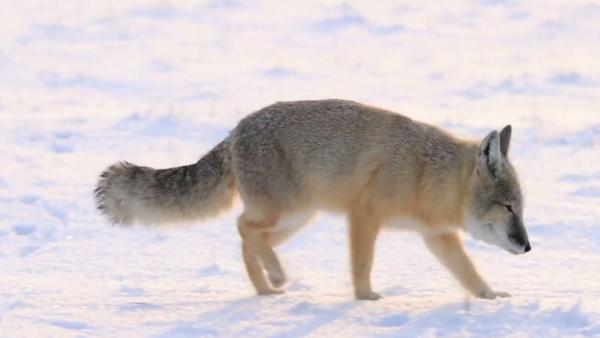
x: 289, y: 160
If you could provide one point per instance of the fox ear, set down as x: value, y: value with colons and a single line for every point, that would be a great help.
x: 490, y: 155
x: 505, y: 139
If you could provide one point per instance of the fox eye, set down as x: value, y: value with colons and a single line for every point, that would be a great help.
x: 508, y: 207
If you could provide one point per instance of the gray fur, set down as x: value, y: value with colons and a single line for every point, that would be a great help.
x: 277, y: 150
x: 127, y: 193
x: 497, y: 192
x: 291, y: 158
x: 294, y: 156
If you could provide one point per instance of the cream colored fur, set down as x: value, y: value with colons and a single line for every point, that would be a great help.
x: 381, y: 169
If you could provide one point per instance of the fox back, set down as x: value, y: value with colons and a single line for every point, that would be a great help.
x: 329, y: 154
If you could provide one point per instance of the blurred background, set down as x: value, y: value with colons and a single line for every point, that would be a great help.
x: 158, y: 83
x: 458, y: 59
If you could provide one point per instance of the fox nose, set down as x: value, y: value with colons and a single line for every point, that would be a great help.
x: 527, y: 247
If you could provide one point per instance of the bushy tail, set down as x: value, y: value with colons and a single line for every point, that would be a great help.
x: 127, y: 193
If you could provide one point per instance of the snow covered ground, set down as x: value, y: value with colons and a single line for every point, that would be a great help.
x: 158, y: 83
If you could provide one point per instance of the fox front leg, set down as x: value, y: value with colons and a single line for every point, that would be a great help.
x: 363, y: 233
x: 449, y: 250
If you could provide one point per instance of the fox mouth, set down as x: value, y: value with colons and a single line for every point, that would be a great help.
x: 512, y: 248
x: 519, y: 251
x: 513, y: 251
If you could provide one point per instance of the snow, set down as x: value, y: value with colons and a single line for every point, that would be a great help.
x: 84, y: 84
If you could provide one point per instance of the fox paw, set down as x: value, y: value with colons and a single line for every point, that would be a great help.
x: 268, y: 292
x: 489, y: 294
x: 369, y: 295
x: 277, y: 278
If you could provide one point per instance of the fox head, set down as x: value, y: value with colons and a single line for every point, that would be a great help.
x: 495, y: 211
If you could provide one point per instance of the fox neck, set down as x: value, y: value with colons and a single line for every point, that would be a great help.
x: 443, y: 208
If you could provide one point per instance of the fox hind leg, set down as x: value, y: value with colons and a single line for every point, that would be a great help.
x: 255, y: 272
x: 258, y: 254
x: 286, y: 228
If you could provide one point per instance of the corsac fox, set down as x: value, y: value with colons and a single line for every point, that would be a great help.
x: 381, y: 169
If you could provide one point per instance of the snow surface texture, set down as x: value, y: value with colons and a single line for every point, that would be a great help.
x: 86, y: 83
